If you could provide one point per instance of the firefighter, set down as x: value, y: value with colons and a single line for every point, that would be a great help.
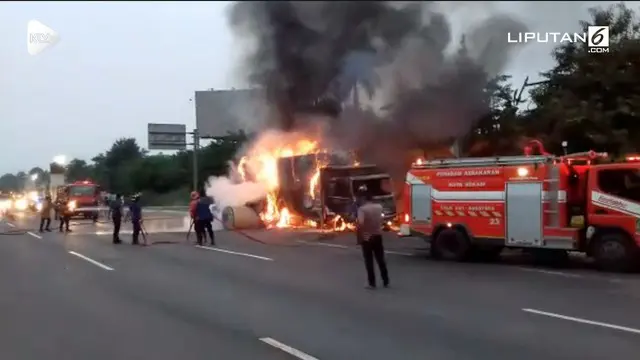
x: 45, y: 214
x: 64, y: 213
x: 115, y: 208
x: 192, y: 212
x: 135, y: 213
x: 204, y: 219
x: 369, y: 234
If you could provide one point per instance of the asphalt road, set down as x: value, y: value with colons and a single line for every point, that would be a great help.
x: 287, y: 295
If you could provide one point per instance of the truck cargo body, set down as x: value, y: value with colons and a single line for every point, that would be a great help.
x: 336, y: 187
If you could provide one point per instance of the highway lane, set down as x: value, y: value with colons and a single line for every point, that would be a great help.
x: 54, y: 305
x: 310, y: 297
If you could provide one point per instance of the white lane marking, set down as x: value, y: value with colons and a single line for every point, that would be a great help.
x: 570, y: 275
x: 323, y: 244
x: 234, y: 253
x: 96, y: 263
x: 34, y: 235
x: 10, y: 224
x: 398, y: 253
x: 348, y: 247
x: 584, y: 321
x: 288, y: 349
x: 550, y: 272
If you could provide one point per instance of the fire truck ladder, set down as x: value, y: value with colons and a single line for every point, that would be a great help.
x: 486, y: 161
x: 552, y: 180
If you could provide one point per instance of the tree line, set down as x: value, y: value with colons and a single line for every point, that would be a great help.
x: 591, y: 101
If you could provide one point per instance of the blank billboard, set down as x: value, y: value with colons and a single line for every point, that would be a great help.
x: 219, y: 112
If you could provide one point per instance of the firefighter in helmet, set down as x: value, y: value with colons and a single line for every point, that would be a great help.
x: 116, y: 215
x: 135, y: 213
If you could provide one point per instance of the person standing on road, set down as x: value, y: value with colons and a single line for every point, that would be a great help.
x: 135, y: 212
x: 65, y: 215
x: 115, y: 208
x: 369, y: 230
x: 204, y: 219
x: 192, y: 212
x: 45, y: 214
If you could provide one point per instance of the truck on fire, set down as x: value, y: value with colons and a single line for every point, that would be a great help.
x: 317, y: 190
x: 548, y: 205
x: 336, y: 184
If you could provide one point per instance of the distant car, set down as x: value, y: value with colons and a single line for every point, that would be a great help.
x: 6, y: 203
x: 20, y: 203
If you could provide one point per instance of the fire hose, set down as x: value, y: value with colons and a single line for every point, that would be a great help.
x: 240, y: 232
x: 13, y: 231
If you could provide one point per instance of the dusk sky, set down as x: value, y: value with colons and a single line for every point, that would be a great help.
x: 121, y: 65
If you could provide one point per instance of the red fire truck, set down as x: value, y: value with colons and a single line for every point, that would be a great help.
x: 84, y: 198
x: 546, y: 204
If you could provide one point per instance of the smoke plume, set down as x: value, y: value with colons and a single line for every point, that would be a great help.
x: 328, y: 57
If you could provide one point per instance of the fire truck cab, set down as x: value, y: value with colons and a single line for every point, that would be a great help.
x: 84, y: 198
x: 546, y: 204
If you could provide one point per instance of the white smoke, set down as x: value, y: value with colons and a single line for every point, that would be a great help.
x: 227, y: 192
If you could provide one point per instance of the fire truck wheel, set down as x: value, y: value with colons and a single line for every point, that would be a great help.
x: 451, y: 245
x: 614, y: 251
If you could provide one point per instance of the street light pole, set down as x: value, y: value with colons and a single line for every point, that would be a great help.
x: 196, y: 148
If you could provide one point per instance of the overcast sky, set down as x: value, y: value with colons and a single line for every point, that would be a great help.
x: 120, y: 65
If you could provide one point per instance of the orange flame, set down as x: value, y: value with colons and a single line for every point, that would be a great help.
x: 262, y: 165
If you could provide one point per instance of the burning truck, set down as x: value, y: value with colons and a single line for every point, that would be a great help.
x: 315, y: 189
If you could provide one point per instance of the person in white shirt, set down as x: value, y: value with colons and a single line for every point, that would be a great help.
x: 369, y: 232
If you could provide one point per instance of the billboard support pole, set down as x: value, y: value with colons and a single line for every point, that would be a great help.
x: 196, y: 148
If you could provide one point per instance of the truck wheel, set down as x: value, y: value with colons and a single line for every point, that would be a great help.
x: 614, y: 252
x: 450, y: 244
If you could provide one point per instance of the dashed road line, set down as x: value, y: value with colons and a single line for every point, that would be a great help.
x: 397, y: 253
x: 288, y: 349
x: 234, y: 253
x: 338, y: 246
x: 34, y: 235
x: 584, y: 321
x: 94, y: 262
x: 10, y: 224
x: 550, y: 272
x: 612, y: 280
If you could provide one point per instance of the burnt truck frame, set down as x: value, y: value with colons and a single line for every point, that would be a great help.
x: 336, y: 187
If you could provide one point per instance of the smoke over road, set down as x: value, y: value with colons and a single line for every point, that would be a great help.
x: 309, y: 56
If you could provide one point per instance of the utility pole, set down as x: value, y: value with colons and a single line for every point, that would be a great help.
x: 196, y: 148
x: 517, y: 96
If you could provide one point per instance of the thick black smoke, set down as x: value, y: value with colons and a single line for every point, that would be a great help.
x: 308, y: 56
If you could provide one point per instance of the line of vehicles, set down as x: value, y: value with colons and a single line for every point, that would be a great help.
x: 545, y: 204
x: 466, y: 207
x: 84, y: 199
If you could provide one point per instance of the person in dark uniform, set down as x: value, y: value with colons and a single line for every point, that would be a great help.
x: 65, y: 215
x: 115, y: 208
x: 369, y: 232
x: 204, y: 219
x: 135, y: 212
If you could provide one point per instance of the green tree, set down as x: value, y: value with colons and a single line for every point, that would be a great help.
x: 9, y: 182
x: 592, y: 101
x: 78, y: 169
x: 497, y: 132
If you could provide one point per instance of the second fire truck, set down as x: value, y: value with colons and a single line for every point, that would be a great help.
x: 546, y: 204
